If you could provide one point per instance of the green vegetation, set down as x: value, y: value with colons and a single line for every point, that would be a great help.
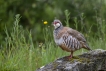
x: 20, y: 53
x: 33, y: 12
x: 28, y: 44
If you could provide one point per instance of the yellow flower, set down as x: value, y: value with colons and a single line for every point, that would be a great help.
x: 45, y: 22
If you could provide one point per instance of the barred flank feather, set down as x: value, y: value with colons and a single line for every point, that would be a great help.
x: 71, y: 42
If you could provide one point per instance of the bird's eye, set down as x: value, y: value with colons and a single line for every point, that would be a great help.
x: 56, y: 22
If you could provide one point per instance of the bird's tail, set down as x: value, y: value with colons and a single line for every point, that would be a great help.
x: 87, y: 47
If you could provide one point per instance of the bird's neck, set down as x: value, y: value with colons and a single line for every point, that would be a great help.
x: 58, y: 29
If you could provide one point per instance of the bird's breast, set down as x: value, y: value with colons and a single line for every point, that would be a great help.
x: 58, y: 41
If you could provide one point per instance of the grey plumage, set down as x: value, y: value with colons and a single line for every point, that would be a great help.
x: 67, y: 38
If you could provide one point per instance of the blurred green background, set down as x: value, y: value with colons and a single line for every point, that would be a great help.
x: 34, y: 12
x: 27, y: 43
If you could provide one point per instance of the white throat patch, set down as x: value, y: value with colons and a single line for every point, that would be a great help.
x: 56, y: 25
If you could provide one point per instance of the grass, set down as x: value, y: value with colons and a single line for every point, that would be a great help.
x: 20, y: 53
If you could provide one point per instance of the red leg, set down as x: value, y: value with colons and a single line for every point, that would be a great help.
x: 71, y: 55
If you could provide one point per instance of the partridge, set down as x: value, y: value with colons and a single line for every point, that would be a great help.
x: 68, y: 39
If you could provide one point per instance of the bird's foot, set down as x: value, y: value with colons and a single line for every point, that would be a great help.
x: 69, y: 57
x: 72, y: 58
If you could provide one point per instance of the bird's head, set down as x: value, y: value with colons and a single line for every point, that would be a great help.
x: 57, y: 23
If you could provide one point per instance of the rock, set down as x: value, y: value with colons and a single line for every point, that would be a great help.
x: 91, y: 61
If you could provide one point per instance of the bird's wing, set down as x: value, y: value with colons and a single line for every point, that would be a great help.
x: 76, y: 34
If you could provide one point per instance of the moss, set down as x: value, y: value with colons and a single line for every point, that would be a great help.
x: 79, y: 59
x: 55, y: 64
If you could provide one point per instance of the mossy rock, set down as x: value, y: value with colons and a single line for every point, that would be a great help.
x: 91, y: 61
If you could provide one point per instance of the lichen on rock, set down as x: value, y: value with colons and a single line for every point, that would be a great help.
x: 91, y: 61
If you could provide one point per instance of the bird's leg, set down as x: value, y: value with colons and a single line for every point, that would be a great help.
x: 71, y: 55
